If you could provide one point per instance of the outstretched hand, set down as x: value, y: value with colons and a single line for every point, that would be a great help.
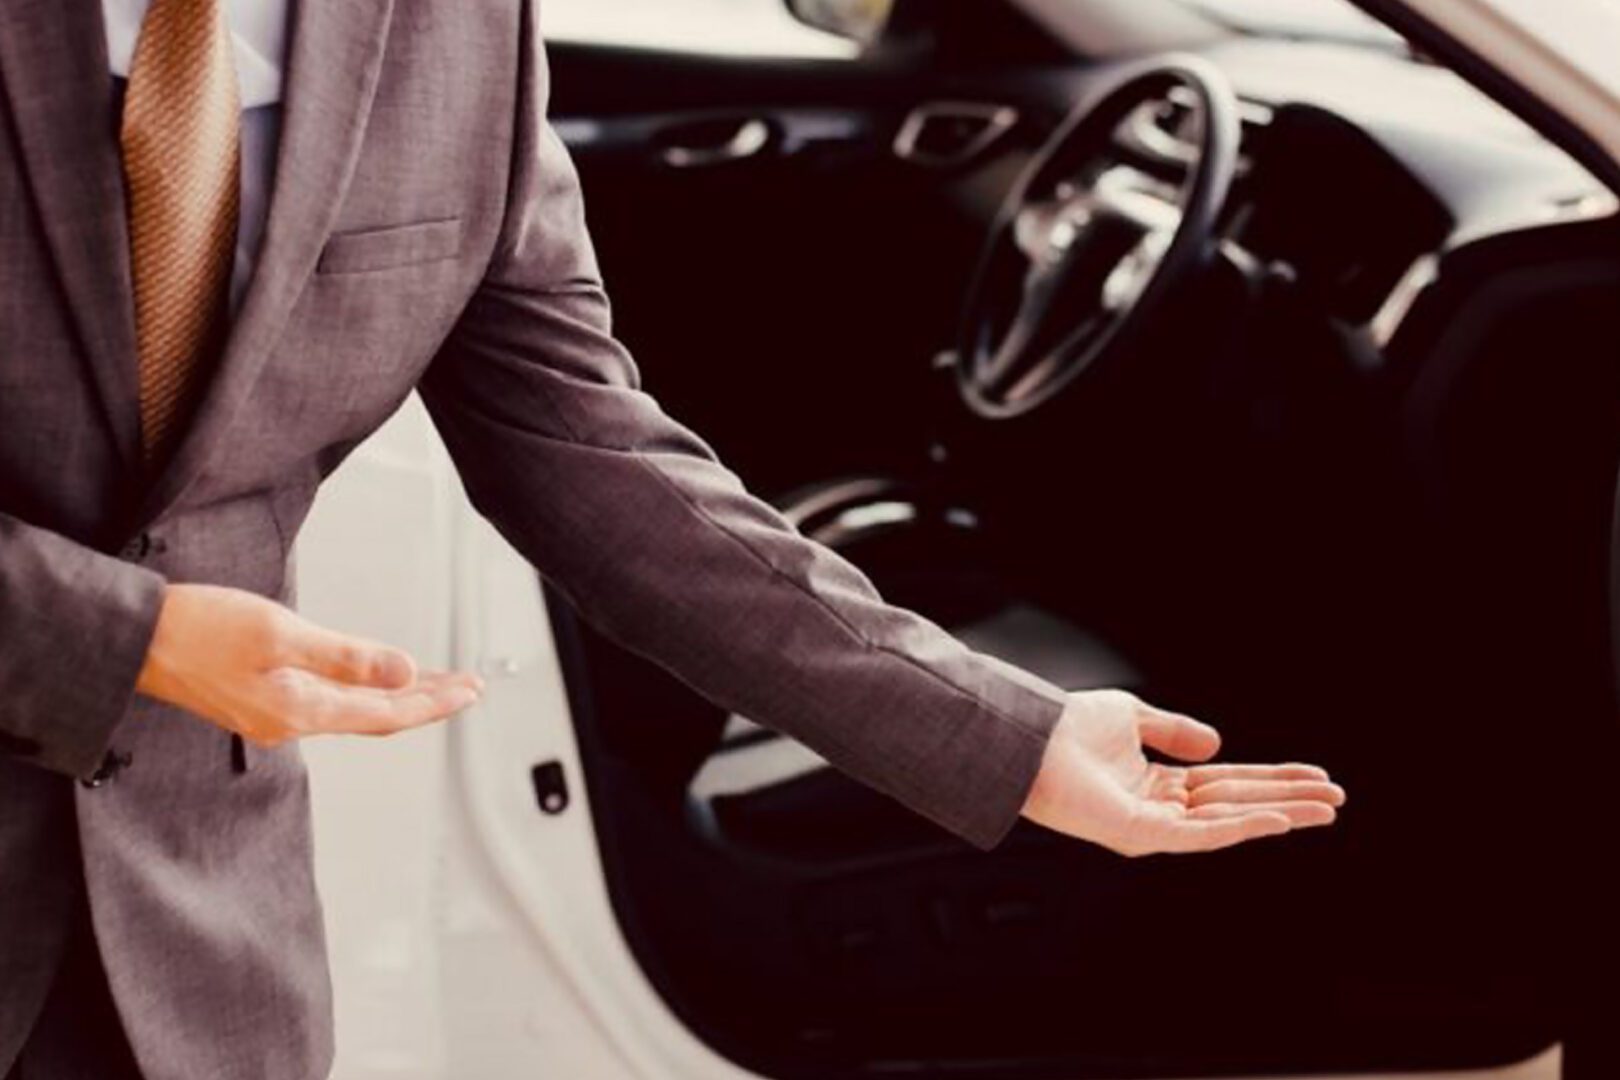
x: 1097, y: 783
x: 260, y: 671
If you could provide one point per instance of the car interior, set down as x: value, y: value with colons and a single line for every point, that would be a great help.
x: 1271, y: 378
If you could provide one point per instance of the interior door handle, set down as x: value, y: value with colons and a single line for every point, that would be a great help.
x: 745, y: 140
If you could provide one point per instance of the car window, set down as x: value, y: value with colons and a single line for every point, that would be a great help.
x: 727, y: 27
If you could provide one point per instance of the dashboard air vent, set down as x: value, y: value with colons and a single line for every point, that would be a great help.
x: 945, y: 134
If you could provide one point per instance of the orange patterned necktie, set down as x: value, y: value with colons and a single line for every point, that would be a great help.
x: 182, y: 145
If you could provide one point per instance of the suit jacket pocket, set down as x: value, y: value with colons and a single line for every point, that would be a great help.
x: 387, y: 248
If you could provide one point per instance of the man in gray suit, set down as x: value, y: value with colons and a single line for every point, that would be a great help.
x: 230, y: 245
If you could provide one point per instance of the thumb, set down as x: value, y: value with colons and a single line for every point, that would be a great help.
x: 1177, y: 736
x: 350, y: 660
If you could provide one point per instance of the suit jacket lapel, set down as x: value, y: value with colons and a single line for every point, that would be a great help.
x: 53, y: 60
x: 335, y: 56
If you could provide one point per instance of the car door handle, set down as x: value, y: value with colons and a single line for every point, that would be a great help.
x: 735, y: 142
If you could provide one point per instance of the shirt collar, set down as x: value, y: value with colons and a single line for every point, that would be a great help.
x: 258, y: 32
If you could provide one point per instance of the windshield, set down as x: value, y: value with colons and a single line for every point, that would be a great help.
x: 1581, y: 31
x: 1316, y: 20
x: 1585, y: 32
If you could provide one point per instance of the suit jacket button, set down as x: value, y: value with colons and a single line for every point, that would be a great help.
x: 137, y: 549
x: 142, y: 547
x: 111, y: 765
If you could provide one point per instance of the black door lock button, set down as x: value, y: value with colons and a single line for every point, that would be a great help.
x: 550, y: 787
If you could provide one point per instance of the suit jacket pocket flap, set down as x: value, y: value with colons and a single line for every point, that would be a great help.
x: 397, y: 245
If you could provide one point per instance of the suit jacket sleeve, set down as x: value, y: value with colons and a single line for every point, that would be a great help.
x: 630, y: 516
x: 74, y: 629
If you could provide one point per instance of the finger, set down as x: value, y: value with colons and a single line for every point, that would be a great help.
x: 426, y: 681
x: 445, y: 678
x: 1257, y: 791
x: 366, y: 712
x: 1202, y: 774
x: 1178, y: 736
x: 350, y: 660
x: 1301, y: 815
x: 1191, y: 835
x: 412, y: 709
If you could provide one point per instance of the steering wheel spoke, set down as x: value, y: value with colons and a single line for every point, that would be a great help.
x: 1078, y: 276
x: 1086, y: 245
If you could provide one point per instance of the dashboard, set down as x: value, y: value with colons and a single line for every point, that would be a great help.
x: 1368, y: 170
x: 1363, y: 175
x: 1362, y: 170
x: 1331, y: 204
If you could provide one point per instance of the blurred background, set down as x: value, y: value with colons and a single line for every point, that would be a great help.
x: 743, y: 27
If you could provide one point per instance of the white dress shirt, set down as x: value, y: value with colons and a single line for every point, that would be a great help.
x: 259, y: 32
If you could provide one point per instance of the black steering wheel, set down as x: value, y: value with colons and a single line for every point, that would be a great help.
x: 1089, y: 243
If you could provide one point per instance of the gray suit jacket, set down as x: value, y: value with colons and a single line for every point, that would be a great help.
x: 426, y: 230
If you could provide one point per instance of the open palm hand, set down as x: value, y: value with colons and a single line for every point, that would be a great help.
x: 1097, y: 783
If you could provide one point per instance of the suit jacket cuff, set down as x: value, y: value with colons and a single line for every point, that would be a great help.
x: 77, y: 625
x: 983, y: 794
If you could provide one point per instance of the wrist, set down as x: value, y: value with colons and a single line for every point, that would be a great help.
x: 157, y: 676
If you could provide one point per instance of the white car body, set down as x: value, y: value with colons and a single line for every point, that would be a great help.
x: 472, y: 936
